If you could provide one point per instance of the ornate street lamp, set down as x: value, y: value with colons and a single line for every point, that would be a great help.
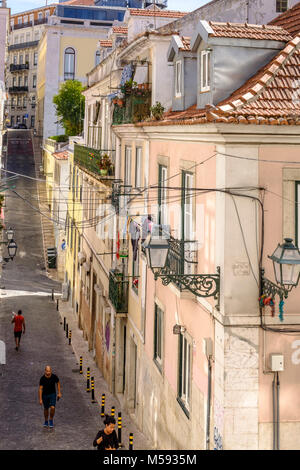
x: 160, y: 248
x: 12, y: 249
x: 10, y: 234
x: 286, y: 263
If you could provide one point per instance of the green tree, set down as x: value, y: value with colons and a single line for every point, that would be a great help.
x: 69, y: 103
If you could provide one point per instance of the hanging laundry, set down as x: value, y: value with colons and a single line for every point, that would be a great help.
x: 146, y: 227
x: 135, y: 234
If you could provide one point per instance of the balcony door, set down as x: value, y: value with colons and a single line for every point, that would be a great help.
x: 187, y: 220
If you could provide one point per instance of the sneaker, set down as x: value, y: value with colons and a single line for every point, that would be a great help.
x: 51, y: 425
x: 45, y: 424
x: 17, y: 348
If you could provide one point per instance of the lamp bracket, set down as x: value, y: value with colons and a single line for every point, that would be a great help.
x: 201, y: 285
x: 269, y: 289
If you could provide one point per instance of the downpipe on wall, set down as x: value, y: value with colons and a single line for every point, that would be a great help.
x: 209, y: 378
x: 276, y: 411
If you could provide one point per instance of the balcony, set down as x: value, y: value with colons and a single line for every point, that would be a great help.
x: 18, y: 89
x: 182, y: 257
x: 92, y: 160
x: 23, y: 45
x: 118, y: 291
x: 135, y: 107
x: 18, y: 67
x: 22, y: 25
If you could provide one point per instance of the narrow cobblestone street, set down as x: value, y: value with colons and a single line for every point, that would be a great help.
x: 25, y: 285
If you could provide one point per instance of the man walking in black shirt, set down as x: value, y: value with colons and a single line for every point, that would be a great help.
x: 47, y: 394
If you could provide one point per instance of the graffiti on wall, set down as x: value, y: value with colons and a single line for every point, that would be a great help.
x: 218, y: 428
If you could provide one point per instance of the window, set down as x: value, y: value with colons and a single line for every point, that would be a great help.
x: 35, y: 58
x: 25, y: 102
x: 34, y: 81
x: 187, y: 206
x: 162, y: 195
x: 31, y: 18
x: 15, y: 60
x: 37, y: 36
x: 158, y: 337
x: 26, y: 80
x: 138, y: 167
x: 69, y: 70
x: 205, y: 71
x: 127, y: 170
x: 184, y: 376
x: 19, y: 101
x: 12, y: 121
x: 27, y: 59
x: 32, y: 122
x: 14, y: 81
x: 178, y: 80
x: 25, y: 19
x: 281, y: 6
x: 16, y: 39
x: 22, y: 38
x: 18, y: 119
x: 20, y: 81
x: 20, y: 20
x: 21, y: 59
x: 27, y: 37
x: 40, y: 15
x: 47, y: 13
x: 97, y: 58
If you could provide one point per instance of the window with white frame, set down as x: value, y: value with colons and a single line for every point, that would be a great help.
x: 35, y: 58
x: 20, y: 20
x: 205, y: 71
x: 158, y: 336
x: 97, y: 58
x: 69, y: 68
x: 34, y: 81
x: 162, y: 195
x: 185, y: 372
x: 138, y: 167
x: 127, y: 169
x: 178, y: 78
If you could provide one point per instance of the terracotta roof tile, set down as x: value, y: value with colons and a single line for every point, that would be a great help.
x: 105, y: 43
x: 159, y: 13
x: 186, y: 43
x: 120, y: 29
x: 271, y: 96
x: 249, y: 31
x: 289, y: 20
x: 61, y: 155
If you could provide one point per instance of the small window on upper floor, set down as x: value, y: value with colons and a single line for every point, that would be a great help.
x: 281, y: 6
x: 205, y: 71
x: 47, y: 13
x: 178, y: 78
x: 40, y: 15
x: 97, y: 58
x: 20, y: 20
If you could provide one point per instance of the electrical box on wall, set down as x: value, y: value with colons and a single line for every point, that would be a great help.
x: 277, y: 362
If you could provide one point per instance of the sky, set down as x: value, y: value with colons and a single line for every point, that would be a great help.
x: 181, y: 5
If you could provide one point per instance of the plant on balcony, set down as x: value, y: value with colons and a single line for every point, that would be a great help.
x: 157, y: 111
x: 105, y: 164
x: 128, y: 86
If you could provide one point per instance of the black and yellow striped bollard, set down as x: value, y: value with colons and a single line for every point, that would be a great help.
x: 103, y: 405
x: 93, y: 390
x: 113, y: 411
x: 88, y: 380
x: 131, y: 441
x: 80, y: 365
x: 120, y: 429
x: 70, y: 337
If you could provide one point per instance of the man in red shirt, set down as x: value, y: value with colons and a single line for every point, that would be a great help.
x: 19, y: 322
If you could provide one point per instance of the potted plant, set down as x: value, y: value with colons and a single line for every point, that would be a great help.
x: 105, y: 164
x: 157, y: 111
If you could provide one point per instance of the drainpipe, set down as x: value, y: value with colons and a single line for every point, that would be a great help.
x: 274, y: 414
x: 278, y: 416
x: 208, y: 404
x: 113, y: 358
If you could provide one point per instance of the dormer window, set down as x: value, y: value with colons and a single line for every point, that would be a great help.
x: 178, y: 79
x: 281, y: 6
x: 205, y: 71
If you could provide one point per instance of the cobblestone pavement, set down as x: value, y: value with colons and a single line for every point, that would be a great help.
x: 25, y: 285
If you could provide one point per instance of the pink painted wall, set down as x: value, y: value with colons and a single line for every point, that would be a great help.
x: 271, y: 177
x: 197, y: 321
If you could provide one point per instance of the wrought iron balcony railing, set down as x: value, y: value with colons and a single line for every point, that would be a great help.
x: 18, y: 67
x: 133, y: 109
x: 23, y: 45
x: 118, y: 291
x: 18, y: 89
x: 91, y: 159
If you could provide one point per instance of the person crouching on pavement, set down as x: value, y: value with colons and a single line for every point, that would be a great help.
x: 106, y: 439
x: 47, y: 394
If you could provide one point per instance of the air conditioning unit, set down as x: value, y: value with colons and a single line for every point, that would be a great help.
x: 65, y: 291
